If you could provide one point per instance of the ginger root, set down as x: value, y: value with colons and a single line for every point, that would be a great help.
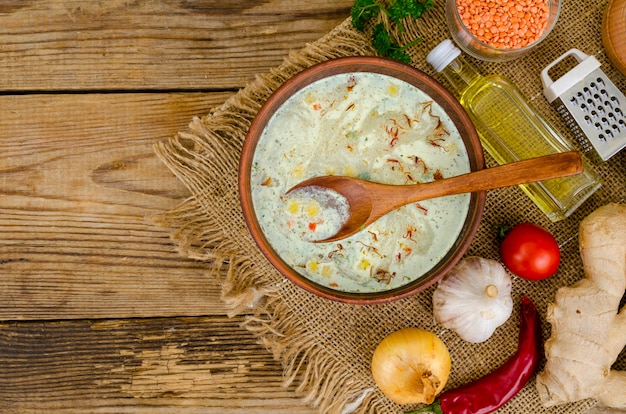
x: 588, y: 333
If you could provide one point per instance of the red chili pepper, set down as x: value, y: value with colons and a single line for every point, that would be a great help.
x: 495, y: 389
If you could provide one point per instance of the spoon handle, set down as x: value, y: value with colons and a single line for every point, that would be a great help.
x: 515, y: 173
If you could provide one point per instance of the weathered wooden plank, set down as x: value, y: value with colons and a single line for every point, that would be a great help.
x: 150, y: 44
x: 79, y: 182
x: 186, y: 365
x: 79, y: 186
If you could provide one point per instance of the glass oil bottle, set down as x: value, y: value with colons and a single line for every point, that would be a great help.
x: 511, y: 130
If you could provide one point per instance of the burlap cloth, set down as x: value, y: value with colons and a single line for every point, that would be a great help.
x: 326, y: 347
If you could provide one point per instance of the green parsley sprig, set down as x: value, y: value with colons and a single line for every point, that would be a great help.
x: 365, y: 10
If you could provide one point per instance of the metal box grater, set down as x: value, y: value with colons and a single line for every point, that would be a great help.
x: 590, y: 103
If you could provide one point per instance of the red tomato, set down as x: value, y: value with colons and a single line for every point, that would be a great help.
x: 530, y: 251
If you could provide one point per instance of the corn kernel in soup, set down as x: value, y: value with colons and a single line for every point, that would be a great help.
x: 315, y: 213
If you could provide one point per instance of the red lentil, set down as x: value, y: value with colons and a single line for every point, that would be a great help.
x: 505, y: 24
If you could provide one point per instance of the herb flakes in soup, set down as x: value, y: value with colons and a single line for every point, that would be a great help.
x: 374, y: 127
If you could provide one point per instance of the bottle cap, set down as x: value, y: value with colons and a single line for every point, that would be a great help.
x: 443, y: 54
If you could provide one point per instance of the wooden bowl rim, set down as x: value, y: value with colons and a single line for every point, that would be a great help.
x: 398, y: 70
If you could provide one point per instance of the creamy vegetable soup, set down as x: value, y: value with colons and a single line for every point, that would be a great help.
x: 373, y: 127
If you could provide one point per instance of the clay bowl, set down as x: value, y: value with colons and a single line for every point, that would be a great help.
x: 361, y: 66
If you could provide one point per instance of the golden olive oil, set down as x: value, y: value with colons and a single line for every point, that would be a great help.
x: 511, y: 129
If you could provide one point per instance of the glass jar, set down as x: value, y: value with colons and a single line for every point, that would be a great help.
x: 486, y: 17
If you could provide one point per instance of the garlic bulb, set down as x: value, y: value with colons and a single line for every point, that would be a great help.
x: 474, y: 298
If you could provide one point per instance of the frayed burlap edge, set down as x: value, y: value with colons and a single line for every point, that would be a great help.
x: 211, y: 148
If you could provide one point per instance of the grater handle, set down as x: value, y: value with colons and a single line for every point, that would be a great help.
x: 554, y: 89
x: 545, y: 77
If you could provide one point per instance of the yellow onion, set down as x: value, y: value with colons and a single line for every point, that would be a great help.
x: 411, y: 366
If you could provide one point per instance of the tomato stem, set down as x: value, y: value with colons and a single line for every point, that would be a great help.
x: 501, y: 230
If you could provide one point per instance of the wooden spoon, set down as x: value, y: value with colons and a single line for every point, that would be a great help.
x: 368, y: 201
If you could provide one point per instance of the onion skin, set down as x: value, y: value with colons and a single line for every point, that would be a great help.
x: 411, y: 366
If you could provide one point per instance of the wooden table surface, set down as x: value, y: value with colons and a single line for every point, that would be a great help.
x: 98, y: 312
